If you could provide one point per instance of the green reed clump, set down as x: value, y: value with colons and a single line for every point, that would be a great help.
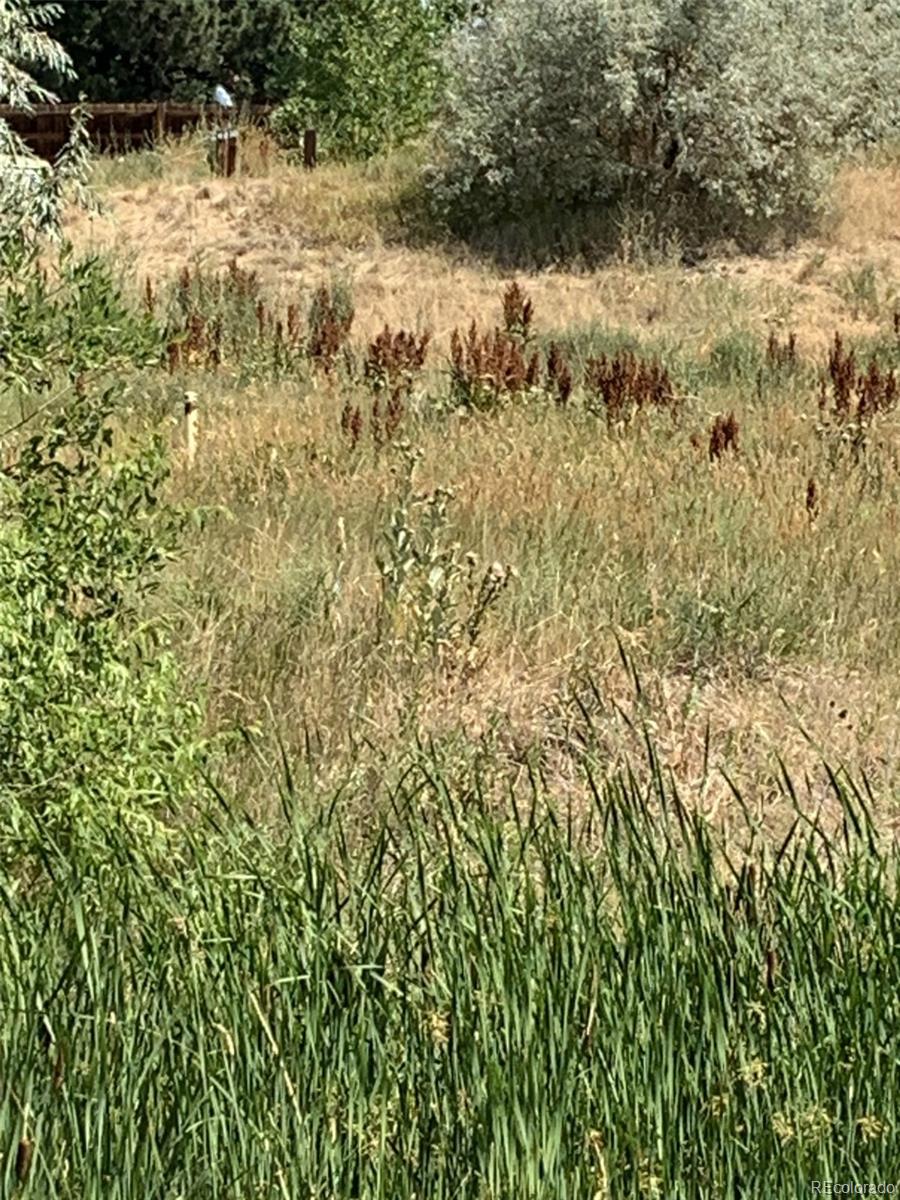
x: 447, y: 1004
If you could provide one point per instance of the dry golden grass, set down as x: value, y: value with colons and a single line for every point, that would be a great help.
x: 756, y: 632
x: 866, y: 209
x: 296, y: 228
x: 611, y: 537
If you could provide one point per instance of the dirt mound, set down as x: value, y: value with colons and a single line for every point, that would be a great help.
x: 295, y: 230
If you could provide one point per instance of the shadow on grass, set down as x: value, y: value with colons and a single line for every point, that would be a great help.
x: 683, y: 228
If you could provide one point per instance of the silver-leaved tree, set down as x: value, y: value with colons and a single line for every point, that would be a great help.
x: 32, y: 192
x: 732, y: 112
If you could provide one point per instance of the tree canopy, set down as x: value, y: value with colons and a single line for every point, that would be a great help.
x: 131, y: 50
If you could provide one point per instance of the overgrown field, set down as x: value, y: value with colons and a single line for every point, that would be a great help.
x: 471, y: 769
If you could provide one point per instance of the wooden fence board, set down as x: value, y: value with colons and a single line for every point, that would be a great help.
x: 117, y: 126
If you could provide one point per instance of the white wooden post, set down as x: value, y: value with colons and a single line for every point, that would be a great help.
x: 190, y: 426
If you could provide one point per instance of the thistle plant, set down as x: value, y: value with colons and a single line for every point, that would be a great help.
x: 434, y: 600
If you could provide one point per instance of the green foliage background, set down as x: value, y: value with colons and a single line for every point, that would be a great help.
x: 267, y: 50
x: 366, y: 73
x: 132, y: 50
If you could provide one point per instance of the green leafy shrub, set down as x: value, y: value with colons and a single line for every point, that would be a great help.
x: 72, y: 321
x: 94, y: 726
x: 730, y: 114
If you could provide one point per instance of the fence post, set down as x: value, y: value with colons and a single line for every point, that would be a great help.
x: 190, y: 426
x: 226, y: 151
x: 309, y: 149
x: 159, y: 122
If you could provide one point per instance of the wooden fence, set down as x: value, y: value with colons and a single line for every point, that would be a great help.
x: 118, y: 127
